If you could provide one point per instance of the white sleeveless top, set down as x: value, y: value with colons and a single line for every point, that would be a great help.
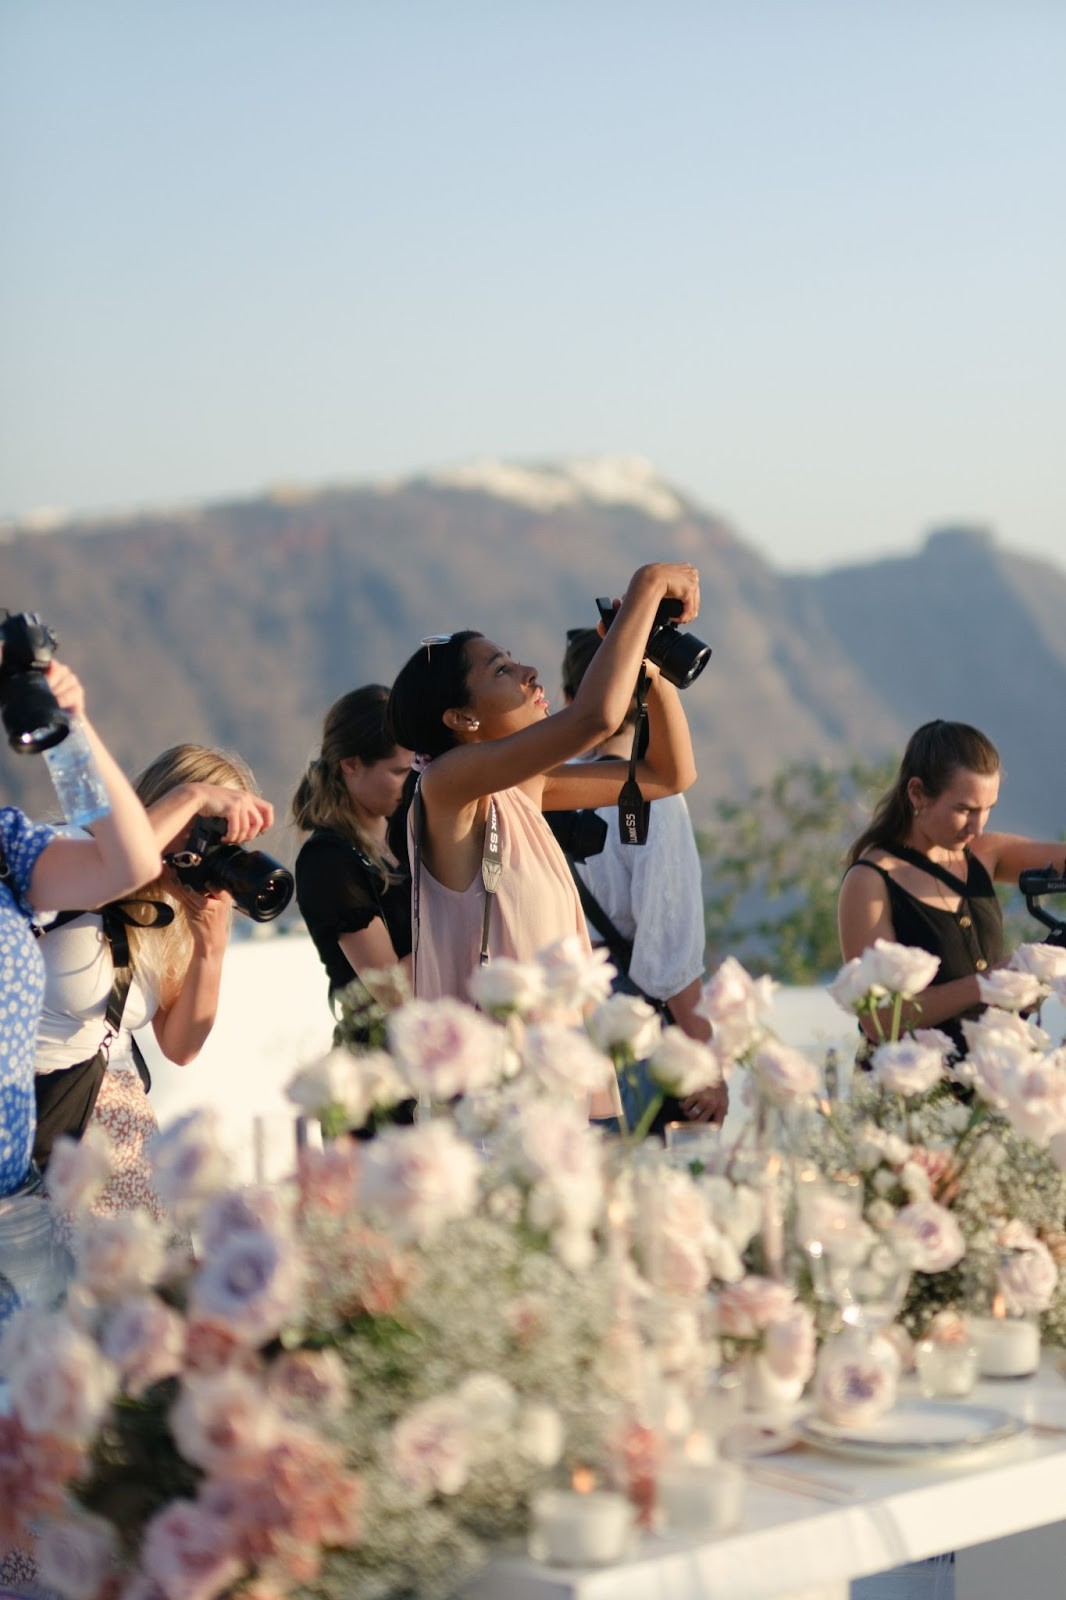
x: 79, y: 973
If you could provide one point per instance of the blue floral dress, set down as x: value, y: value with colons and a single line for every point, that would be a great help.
x: 21, y: 992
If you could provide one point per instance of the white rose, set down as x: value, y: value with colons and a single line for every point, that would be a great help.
x: 1027, y: 1280
x: 1009, y: 991
x: 627, y: 1024
x: 189, y: 1164
x: 734, y: 1208
x: 682, y: 1066
x: 79, y: 1169
x: 934, y: 1039
x: 782, y: 1075
x: 444, y: 1048
x: 431, y: 1447
x: 1034, y: 1097
x: 1043, y: 961
x: 789, y: 1344
x: 61, y: 1384
x: 574, y: 975
x: 907, y: 1068
x: 503, y: 985
x: 491, y: 1404
x: 562, y: 1059
x: 901, y: 969
x: 418, y: 1179
x: 146, y: 1341
x: 930, y: 1236
x: 352, y: 1085
x: 117, y: 1255
x: 736, y: 1005
x: 852, y: 988
x: 996, y: 1023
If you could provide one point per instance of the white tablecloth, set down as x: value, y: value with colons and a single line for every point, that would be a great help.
x: 789, y: 1546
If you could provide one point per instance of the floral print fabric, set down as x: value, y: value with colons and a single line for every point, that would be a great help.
x: 21, y: 992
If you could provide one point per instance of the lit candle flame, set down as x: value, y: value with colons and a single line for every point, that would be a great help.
x: 999, y: 1306
x: 583, y: 1480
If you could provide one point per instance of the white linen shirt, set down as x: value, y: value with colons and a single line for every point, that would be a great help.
x: 653, y: 893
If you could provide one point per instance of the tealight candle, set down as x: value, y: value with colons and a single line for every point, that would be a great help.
x: 701, y: 1499
x: 1007, y: 1347
x: 569, y: 1529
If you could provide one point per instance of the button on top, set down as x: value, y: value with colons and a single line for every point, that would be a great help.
x: 981, y: 964
x: 964, y: 922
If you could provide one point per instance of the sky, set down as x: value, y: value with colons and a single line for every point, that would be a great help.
x: 808, y: 256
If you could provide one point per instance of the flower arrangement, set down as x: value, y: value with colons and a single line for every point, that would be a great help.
x: 961, y: 1162
x: 350, y: 1385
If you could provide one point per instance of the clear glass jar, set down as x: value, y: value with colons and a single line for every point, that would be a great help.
x: 947, y: 1370
x: 34, y: 1265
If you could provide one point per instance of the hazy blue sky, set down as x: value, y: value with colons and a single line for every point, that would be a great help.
x: 810, y: 257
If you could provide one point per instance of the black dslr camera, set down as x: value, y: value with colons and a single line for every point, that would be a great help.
x: 579, y: 834
x: 261, y: 887
x: 680, y: 657
x: 1037, y: 881
x: 31, y: 713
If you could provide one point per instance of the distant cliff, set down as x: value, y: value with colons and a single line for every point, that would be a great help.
x: 240, y: 623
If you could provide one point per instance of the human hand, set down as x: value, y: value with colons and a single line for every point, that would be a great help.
x: 707, y: 1105
x: 676, y: 580
x: 67, y: 688
x: 207, y: 917
x: 246, y: 815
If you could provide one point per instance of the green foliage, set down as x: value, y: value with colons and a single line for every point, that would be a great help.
x: 773, y: 867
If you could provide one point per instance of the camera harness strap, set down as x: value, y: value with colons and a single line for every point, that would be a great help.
x: 491, y: 873
x: 115, y: 920
x: 633, y: 809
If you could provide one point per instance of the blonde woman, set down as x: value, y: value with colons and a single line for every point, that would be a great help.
x: 354, y: 897
x: 176, y: 965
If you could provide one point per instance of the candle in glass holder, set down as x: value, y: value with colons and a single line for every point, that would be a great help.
x: 1007, y: 1347
x: 580, y: 1527
x: 700, y: 1496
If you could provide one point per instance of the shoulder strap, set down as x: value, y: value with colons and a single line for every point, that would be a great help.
x: 873, y: 868
x: 916, y: 859
x: 491, y: 872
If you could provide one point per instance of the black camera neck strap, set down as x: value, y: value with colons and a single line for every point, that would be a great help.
x: 633, y: 809
x: 491, y: 873
x: 115, y: 919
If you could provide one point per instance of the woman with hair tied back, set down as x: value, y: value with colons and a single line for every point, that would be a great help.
x: 176, y: 939
x: 931, y: 869
x: 484, y: 740
x: 353, y: 895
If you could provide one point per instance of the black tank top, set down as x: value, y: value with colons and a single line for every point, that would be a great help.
x: 967, y: 940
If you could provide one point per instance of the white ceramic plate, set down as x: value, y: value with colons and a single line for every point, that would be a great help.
x: 913, y: 1431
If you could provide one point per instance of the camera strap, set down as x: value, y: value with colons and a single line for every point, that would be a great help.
x: 633, y: 809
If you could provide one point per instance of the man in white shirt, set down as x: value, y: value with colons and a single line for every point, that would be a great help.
x: 652, y: 893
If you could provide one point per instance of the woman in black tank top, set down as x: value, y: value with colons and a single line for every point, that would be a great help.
x: 929, y: 869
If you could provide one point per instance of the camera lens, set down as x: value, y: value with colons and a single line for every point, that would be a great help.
x: 261, y: 887
x: 680, y: 657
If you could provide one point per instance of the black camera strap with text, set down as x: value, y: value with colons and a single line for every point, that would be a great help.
x: 633, y: 809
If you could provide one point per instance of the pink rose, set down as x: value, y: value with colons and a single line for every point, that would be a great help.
x: 419, y: 1178
x: 250, y: 1284
x: 432, y: 1447
x: 75, y: 1555
x: 736, y: 1005
x: 745, y: 1309
x: 225, y: 1423
x: 308, y: 1381
x: 185, y: 1552
x: 62, y: 1385
x: 931, y: 1236
x: 189, y: 1165
x: 789, y: 1344
x: 118, y: 1255
x: 782, y: 1075
x: 444, y: 1048
x: 146, y: 1341
x: 79, y: 1169
x: 575, y: 976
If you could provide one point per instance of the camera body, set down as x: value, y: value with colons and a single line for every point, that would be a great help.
x: 31, y: 714
x: 1037, y: 881
x: 579, y: 834
x: 260, y: 887
x: 680, y: 657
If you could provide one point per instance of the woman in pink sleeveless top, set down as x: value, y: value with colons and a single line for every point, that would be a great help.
x: 480, y: 726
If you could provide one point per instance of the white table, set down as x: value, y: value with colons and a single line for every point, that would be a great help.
x: 793, y: 1548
